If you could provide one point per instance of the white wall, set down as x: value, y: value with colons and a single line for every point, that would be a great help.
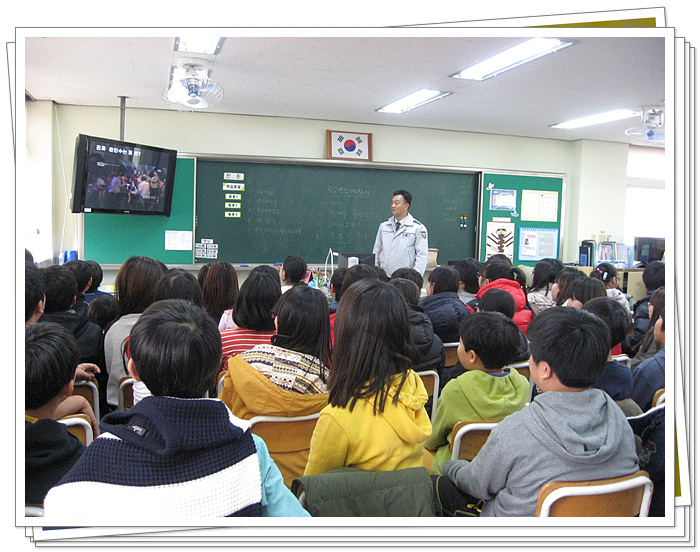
x: 593, y: 170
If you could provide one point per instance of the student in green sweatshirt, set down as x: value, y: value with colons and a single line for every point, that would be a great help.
x: 488, y: 390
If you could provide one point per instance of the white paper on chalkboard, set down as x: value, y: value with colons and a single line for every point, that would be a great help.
x: 178, y: 240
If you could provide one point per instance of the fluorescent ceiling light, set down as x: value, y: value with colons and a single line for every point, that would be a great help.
x: 606, y: 117
x: 418, y: 98
x: 522, y: 53
x: 198, y: 44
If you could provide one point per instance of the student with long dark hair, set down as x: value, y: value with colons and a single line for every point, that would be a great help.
x: 376, y: 419
x: 287, y: 377
x: 135, y: 288
x: 219, y: 293
x: 539, y: 296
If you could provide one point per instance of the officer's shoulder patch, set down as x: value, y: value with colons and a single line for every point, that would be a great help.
x: 424, y: 233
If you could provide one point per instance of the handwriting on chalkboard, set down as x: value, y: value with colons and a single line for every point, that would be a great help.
x: 348, y: 191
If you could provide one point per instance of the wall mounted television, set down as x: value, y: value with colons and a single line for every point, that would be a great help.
x: 112, y: 176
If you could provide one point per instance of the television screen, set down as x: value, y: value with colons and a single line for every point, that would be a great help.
x: 346, y: 260
x: 112, y: 176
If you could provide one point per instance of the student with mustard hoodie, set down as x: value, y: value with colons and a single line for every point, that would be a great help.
x: 376, y: 419
x: 289, y: 376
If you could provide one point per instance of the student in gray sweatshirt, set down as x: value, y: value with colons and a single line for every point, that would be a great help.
x: 570, y: 432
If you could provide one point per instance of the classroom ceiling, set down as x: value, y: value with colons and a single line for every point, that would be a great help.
x: 345, y: 79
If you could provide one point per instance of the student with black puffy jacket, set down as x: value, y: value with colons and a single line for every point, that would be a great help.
x: 443, y: 305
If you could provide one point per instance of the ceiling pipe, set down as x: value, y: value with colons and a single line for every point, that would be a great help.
x: 122, y: 109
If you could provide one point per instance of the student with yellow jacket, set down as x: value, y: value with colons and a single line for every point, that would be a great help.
x: 376, y: 419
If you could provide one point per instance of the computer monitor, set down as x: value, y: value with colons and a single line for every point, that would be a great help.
x: 346, y: 260
x: 649, y: 249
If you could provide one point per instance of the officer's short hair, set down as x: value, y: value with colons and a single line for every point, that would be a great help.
x: 408, y: 198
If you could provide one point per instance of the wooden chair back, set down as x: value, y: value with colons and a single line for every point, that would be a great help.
x: 659, y: 397
x: 288, y: 440
x: 468, y: 437
x: 450, y: 354
x: 79, y: 425
x: 125, y: 396
x: 626, y: 496
x: 431, y: 381
x: 89, y: 390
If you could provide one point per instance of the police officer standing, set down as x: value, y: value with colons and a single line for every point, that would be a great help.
x: 402, y: 241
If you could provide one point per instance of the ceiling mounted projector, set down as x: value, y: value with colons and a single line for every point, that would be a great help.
x: 652, y: 131
x: 191, y: 89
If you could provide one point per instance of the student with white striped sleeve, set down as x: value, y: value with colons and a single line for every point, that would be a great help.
x: 175, y: 454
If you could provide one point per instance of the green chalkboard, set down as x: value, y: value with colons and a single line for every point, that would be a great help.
x: 111, y: 238
x: 260, y: 212
x: 521, y: 216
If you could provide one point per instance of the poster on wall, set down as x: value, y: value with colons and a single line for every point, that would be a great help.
x: 500, y: 239
x: 535, y: 244
x: 539, y: 205
x: 503, y: 200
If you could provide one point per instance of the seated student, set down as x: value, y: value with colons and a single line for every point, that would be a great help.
x: 176, y: 283
x: 653, y: 276
x: 93, y: 291
x: 499, y: 300
x: 296, y: 360
x: 648, y: 347
x: 582, y: 290
x: 376, y: 419
x: 135, y: 287
x: 430, y: 347
x: 174, y: 454
x: 616, y: 380
x: 51, y: 355
x: 409, y: 274
x: 650, y: 375
x: 352, y: 275
x: 292, y: 272
x: 607, y: 273
x: 257, y: 297
x: 287, y: 377
x: 219, y: 293
x: 571, y: 432
x: 83, y: 275
x: 103, y: 310
x: 34, y: 297
x: 564, y: 278
x: 61, y: 288
x: 469, y: 270
x: 336, y: 285
x: 501, y: 275
x: 539, y: 295
x: 494, y: 300
x: 488, y: 340
x: 442, y: 305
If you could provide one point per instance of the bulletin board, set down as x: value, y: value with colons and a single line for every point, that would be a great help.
x: 520, y: 216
